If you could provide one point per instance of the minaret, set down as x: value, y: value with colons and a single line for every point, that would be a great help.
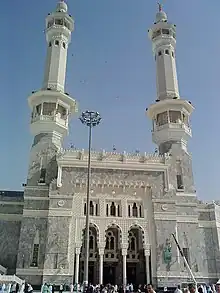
x: 52, y: 106
x: 170, y: 114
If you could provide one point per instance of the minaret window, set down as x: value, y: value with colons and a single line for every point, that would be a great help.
x: 59, y: 21
x: 64, y: 45
x: 35, y: 253
x: 66, y: 24
x: 49, y: 108
x: 38, y: 109
x: 167, y: 52
x: 50, y: 44
x: 42, y: 175
x: 172, y: 54
x: 179, y: 180
x: 56, y: 43
x: 165, y: 31
x: 159, y: 53
x: 175, y: 116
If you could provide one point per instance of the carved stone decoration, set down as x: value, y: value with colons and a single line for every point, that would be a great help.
x: 164, y: 207
x: 61, y: 203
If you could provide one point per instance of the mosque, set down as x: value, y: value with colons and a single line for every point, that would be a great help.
x: 136, y: 200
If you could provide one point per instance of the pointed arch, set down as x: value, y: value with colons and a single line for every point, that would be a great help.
x: 35, y: 249
x: 139, y: 227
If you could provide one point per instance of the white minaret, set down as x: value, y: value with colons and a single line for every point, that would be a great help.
x: 51, y: 106
x: 170, y: 114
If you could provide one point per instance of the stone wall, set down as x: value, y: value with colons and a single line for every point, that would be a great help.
x: 9, y: 240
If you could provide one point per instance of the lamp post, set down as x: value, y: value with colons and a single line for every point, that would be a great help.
x: 90, y: 119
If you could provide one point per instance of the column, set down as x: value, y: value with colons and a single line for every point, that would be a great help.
x: 147, y: 255
x: 77, y: 265
x: 101, y: 257
x: 124, y: 254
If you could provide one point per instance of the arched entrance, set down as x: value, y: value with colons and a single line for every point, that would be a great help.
x: 112, y: 270
x: 136, y: 268
x: 93, y: 256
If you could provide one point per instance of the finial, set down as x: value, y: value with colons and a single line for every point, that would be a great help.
x: 159, y: 6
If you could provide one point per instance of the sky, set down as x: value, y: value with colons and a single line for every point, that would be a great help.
x: 111, y: 51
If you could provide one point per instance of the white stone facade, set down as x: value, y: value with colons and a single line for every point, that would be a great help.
x: 136, y: 200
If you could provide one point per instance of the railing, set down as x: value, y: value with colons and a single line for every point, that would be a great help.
x: 173, y: 125
x: 56, y: 118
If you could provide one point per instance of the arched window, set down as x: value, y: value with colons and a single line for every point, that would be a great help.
x: 35, y: 253
x: 110, y: 241
x: 64, y: 45
x: 134, y: 210
x: 132, y: 242
x: 91, y: 242
x: 96, y: 210
x: 91, y: 208
x: 129, y: 210
x: 140, y: 211
x: 107, y: 210
x: 57, y: 43
x: 119, y: 214
x: 84, y: 208
x: 113, y: 209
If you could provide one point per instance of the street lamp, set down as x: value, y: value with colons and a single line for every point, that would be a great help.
x: 90, y: 119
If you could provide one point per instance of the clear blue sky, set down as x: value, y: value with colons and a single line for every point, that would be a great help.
x: 114, y: 31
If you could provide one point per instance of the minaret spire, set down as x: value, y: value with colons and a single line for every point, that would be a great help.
x: 159, y: 6
x: 170, y: 114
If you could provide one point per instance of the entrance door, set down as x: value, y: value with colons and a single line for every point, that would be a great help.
x: 131, y: 274
x: 109, y: 274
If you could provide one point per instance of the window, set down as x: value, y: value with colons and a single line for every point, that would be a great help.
x: 38, y: 109
x: 186, y: 255
x: 64, y: 45
x: 159, y: 53
x: 119, y: 211
x: 140, y: 211
x: 132, y: 242
x: 91, y: 208
x: 165, y: 31
x: 129, y: 211
x: 179, y: 180
x: 113, y: 209
x: 49, y: 109
x: 84, y: 208
x: 56, y: 43
x: 59, y: 21
x: 172, y: 54
x: 42, y: 175
x: 107, y: 210
x: 96, y: 210
x: 110, y: 241
x: 66, y: 24
x: 167, y: 52
x: 50, y: 44
x: 35, y: 256
x: 134, y: 210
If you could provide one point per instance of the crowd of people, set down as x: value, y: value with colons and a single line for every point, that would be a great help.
x: 130, y: 288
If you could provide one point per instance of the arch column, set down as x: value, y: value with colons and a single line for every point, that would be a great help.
x: 101, y: 258
x: 147, y: 256
x: 77, y: 265
x: 124, y: 255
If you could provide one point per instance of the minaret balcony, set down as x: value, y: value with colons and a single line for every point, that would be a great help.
x: 170, y: 125
x: 57, y: 118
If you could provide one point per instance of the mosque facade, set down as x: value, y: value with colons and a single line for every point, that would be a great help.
x: 137, y: 201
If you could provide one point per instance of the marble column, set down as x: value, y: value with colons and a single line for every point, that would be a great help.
x: 147, y: 255
x: 101, y: 257
x: 124, y: 254
x: 77, y: 266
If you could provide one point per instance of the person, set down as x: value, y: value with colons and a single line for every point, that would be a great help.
x: 150, y: 288
x: 45, y: 288
x: 178, y: 290
x: 192, y: 288
x: 61, y: 288
x: 30, y: 289
x: 71, y: 288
